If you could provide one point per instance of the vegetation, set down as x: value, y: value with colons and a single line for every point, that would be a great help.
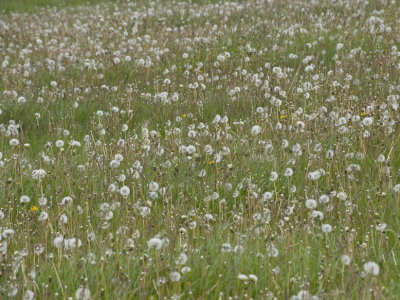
x: 199, y: 150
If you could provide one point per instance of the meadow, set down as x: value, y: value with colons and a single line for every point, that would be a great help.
x: 199, y: 149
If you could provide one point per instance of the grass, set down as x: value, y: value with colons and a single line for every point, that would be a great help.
x: 165, y: 98
x: 32, y: 6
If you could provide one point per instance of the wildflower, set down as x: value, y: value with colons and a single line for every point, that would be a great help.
x: 367, y: 121
x: 225, y: 248
x: 153, y: 186
x: 304, y: 295
x: 317, y: 214
x: 253, y: 278
x: 238, y: 249
x: 82, y: 293
x: 75, y: 144
x: 288, y: 172
x: 119, y: 157
x: 114, y: 164
x: 372, y: 268
x: 38, y: 249
x: 243, y: 277
x: 121, y: 177
x: 175, y: 276
x: 14, y: 142
x: 72, y: 243
x: 34, y: 208
x: 255, y: 130
x: 7, y: 233
x: 182, y: 259
x: 381, y: 227
x: 342, y: 196
x: 63, y: 219
x: 315, y: 175
x: 58, y: 242
x: 38, y: 174
x: 59, y: 143
x: 266, y: 196
x: 21, y: 100
x: 66, y: 200
x: 285, y: 143
x: 274, y: 176
x: 193, y: 225
x: 272, y: 251
x: 324, y: 199
x: 185, y: 270
x: 190, y: 149
x: 43, y: 216
x: 155, y: 243
x: 42, y: 201
x: 329, y: 154
x: 124, y: 191
x: 24, y: 199
x: 208, y: 149
x: 161, y: 281
x: 144, y: 211
x: 28, y: 295
x: 311, y: 203
x: 326, y: 228
x: 345, y: 259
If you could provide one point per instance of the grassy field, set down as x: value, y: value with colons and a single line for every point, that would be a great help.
x: 199, y: 150
x: 30, y: 6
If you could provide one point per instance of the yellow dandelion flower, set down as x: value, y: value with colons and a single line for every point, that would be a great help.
x: 34, y: 208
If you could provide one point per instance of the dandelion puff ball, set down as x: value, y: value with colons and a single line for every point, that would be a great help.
x: 255, y: 130
x: 372, y: 268
x: 155, y: 243
x: 124, y: 191
x: 326, y: 228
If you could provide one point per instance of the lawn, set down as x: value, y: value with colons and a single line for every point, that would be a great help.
x: 199, y: 150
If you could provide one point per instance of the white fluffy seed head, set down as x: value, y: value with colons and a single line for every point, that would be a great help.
x: 155, y: 243
x: 345, y: 259
x: 326, y: 228
x: 124, y: 191
x: 371, y: 268
x: 255, y: 130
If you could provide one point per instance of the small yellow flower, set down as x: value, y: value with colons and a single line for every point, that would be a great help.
x: 184, y: 116
x: 211, y: 163
x: 363, y: 114
x: 34, y: 208
x: 282, y: 117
